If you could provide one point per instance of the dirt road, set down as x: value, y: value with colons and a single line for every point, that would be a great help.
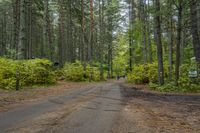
x: 106, y: 108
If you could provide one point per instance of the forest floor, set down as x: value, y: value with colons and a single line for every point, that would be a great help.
x: 106, y: 107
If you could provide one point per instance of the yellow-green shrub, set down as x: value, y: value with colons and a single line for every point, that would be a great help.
x: 37, y: 71
x: 94, y: 71
x: 142, y: 74
x: 139, y: 74
x: 186, y: 84
x: 7, y: 73
x: 185, y: 81
x: 75, y: 72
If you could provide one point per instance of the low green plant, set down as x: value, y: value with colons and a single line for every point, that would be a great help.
x: 77, y: 72
x: 30, y: 72
x: 145, y: 73
x: 37, y: 71
x: 139, y: 74
x: 185, y: 84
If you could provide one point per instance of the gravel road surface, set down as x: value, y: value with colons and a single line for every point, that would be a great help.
x: 106, y: 108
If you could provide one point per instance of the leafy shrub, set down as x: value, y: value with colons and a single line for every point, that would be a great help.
x: 170, y: 87
x: 7, y: 73
x: 167, y: 88
x: 59, y: 74
x: 191, y: 84
x: 153, y: 72
x: 139, y: 74
x: 37, y: 71
x: 93, y: 72
x: 75, y: 72
x: 186, y: 84
x: 142, y: 74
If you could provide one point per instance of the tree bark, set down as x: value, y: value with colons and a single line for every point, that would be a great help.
x: 61, y: 33
x: 178, y: 44
x: 194, y: 31
x: 159, y: 43
x: 22, y: 33
x: 16, y: 24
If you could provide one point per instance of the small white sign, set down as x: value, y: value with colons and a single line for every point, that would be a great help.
x: 193, y: 74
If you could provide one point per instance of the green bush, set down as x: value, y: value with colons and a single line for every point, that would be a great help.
x: 94, y: 71
x: 153, y: 72
x: 146, y: 73
x: 31, y: 72
x: 191, y: 84
x: 139, y: 74
x: 75, y: 72
x: 186, y: 84
x: 7, y: 73
x: 37, y: 71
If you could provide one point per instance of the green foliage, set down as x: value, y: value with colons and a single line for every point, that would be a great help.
x: 121, y: 56
x: 38, y: 71
x: 142, y: 74
x: 186, y: 84
x: 75, y: 72
x: 139, y: 74
x: 31, y: 72
x: 7, y: 73
x: 170, y: 87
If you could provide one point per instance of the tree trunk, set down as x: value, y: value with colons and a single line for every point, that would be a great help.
x: 130, y: 38
x: 29, y: 41
x: 91, y: 31
x: 22, y: 33
x: 144, y: 33
x: 101, y: 14
x: 48, y: 31
x: 16, y: 25
x: 149, y: 35
x: 194, y: 31
x: 159, y: 43
x: 61, y: 33
x: 178, y: 44
x: 170, y: 42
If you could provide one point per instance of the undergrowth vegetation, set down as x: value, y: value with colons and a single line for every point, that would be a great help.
x: 41, y: 72
x: 148, y: 74
x: 30, y: 72
x: 77, y: 72
x: 145, y: 73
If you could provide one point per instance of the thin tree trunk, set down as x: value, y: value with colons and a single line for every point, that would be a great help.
x: 48, y: 30
x: 130, y: 37
x: 22, y: 33
x: 16, y: 24
x: 91, y: 31
x: 159, y: 44
x: 90, y: 48
x: 144, y: 36
x: 149, y: 35
x: 194, y: 31
x: 179, y: 29
x: 170, y: 43
x: 101, y: 38
x: 83, y: 32
x: 61, y: 33
x: 29, y: 50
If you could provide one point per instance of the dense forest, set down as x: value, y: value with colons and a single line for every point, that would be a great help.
x: 155, y: 42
